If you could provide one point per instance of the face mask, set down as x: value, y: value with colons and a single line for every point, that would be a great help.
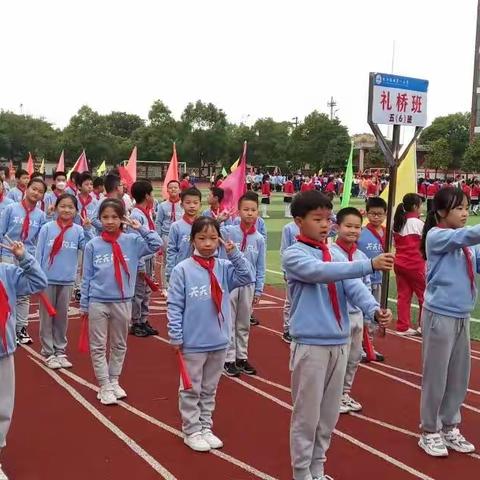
x: 61, y: 185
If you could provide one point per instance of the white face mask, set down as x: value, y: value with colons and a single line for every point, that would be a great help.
x: 60, y: 185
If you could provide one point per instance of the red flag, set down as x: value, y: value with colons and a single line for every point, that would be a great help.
x: 81, y: 165
x: 172, y: 172
x: 129, y: 173
x: 30, y: 165
x: 61, y: 163
x: 235, y: 184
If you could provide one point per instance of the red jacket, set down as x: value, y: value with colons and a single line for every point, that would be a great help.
x: 288, y: 187
x: 306, y: 186
x: 266, y: 189
x: 407, y: 246
x: 184, y: 184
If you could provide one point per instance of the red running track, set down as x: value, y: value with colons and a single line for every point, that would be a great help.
x: 61, y: 431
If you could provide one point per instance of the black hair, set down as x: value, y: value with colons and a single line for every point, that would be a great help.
x: 114, y: 203
x: 191, y: 192
x: 185, y: 175
x: 305, y: 202
x: 219, y: 177
x: 445, y: 199
x: 37, y: 175
x: 112, y: 182
x: 289, y: 176
x: 38, y: 180
x: 248, y: 197
x: 173, y: 181
x: 20, y: 173
x: 6, y: 170
x: 98, y: 182
x: 376, y: 202
x: 74, y: 177
x: 218, y: 192
x: 83, y: 177
x: 204, y: 223
x: 59, y: 174
x: 265, y: 178
x: 409, y: 201
x: 140, y: 190
x: 345, y: 212
x: 63, y: 196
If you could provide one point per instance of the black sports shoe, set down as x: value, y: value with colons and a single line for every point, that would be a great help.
x: 23, y: 337
x: 139, y: 330
x: 149, y: 329
x: 364, y: 358
x: 245, y: 367
x: 254, y: 321
x: 76, y: 294
x: 231, y: 369
x: 379, y: 357
x: 287, y: 337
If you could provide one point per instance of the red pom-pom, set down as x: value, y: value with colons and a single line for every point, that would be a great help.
x: 83, y: 341
x: 46, y: 303
x: 186, y: 382
x: 153, y: 286
x: 368, y: 346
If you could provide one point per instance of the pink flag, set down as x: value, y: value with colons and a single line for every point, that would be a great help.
x: 61, y: 163
x: 129, y: 173
x: 30, y: 165
x: 81, y: 165
x: 172, y: 172
x: 235, y: 184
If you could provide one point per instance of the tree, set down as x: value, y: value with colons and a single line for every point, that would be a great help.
x: 454, y: 129
x: 440, y: 155
x: 375, y: 157
x: 122, y: 124
x: 471, y: 158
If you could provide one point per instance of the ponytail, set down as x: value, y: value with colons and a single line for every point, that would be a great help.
x: 430, y: 222
x: 399, y: 218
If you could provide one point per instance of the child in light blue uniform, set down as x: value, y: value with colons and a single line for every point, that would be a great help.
x: 4, y: 200
x: 50, y: 198
x: 214, y: 199
x: 22, y: 179
x: 25, y: 278
x: 199, y: 325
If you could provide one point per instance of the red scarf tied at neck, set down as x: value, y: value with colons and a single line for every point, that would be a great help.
x: 374, y: 231
x: 118, y: 259
x: 246, y: 232
x: 332, y: 288
x: 347, y: 248
x: 26, y: 221
x: 4, y: 314
x: 215, y: 289
x: 58, y: 242
x: 85, y: 203
x: 147, y: 213
x: 188, y: 220
x: 173, y: 214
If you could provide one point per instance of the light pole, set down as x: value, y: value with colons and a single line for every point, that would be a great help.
x: 474, y: 126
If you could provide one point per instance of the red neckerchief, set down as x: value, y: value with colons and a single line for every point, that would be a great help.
x: 412, y: 215
x: 118, y: 259
x: 57, y: 194
x: 85, y: 204
x: 1, y: 197
x: 22, y: 189
x: 58, y: 242
x: 215, y: 290
x: 72, y: 186
x: 470, y: 271
x: 348, y: 249
x: 173, y: 214
x: 146, y: 212
x: 332, y: 288
x: 246, y: 232
x: 375, y: 233
x: 4, y: 314
x: 97, y: 195
x: 26, y: 220
x: 188, y: 220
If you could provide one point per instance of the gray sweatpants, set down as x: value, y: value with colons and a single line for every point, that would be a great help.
x: 164, y: 262
x: 354, y: 349
x: 241, y: 306
x: 53, y: 330
x: 286, y: 310
x: 141, y: 298
x: 7, y: 396
x: 108, y: 321
x: 446, y: 370
x: 197, y: 404
x: 22, y: 306
x: 317, y: 380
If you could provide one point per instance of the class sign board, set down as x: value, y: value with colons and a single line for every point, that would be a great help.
x: 396, y: 100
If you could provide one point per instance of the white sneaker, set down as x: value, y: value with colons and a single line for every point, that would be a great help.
x: 118, y: 391
x: 3, y: 475
x: 433, y: 444
x: 211, y: 439
x: 64, y: 361
x: 348, y: 404
x: 53, y: 363
x: 408, y: 333
x: 106, y: 395
x: 419, y: 331
x: 323, y: 477
x: 456, y: 441
x: 196, y: 442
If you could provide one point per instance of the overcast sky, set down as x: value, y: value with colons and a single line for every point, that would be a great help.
x: 253, y: 58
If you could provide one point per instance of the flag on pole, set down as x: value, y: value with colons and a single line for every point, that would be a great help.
x: 347, y: 185
x: 81, y: 165
x: 42, y: 166
x: 172, y: 172
x: 61, y: 163
x: 102, y: 168
x: 235, y: 165
x: 224, y: 172
x: 234, y: 186
x: 30, y: 164
x: 128, y: 173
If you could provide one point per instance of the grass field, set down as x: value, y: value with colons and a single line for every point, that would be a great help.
x: 274, y: 229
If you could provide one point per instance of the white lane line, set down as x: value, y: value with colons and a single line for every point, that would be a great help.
x: 154, y: 421
x: 134, y: 446
x: 263, y: 327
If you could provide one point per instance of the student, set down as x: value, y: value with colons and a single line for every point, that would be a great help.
x: 243, y: 299
x: 265, y: 195
x: 22, y: 222
x: 4, y: 200
x: 114, y: 190
x: 87, y: 205
x: 260, y: 223
x: 290, y: 231
x: 214, y: 199
x: 432, y: 189
x: 409, y: 263
x: 98, y: 188
x: 451, y: 251
x: 307, y: 185
x: 58, y: 188
x: 59, y: 242
x: 23, y: 279
x: 72, y: 182
x: 179, y: 247
x: 349, y: 221
x: 17, y: 193
x: 185, y: 183
x: 142, y: 192
x: 109, y: 263
x: 319, y: 289
x: 288, y: 192
x: 4, y: 177
x: 199, y: 325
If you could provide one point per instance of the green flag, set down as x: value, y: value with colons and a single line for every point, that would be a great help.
x: 224, y: 172
x: 347, y: 185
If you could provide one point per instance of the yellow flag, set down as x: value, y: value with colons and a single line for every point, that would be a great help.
x: 102, y: 168
x: 42, y: 166
x: 235, y: 165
